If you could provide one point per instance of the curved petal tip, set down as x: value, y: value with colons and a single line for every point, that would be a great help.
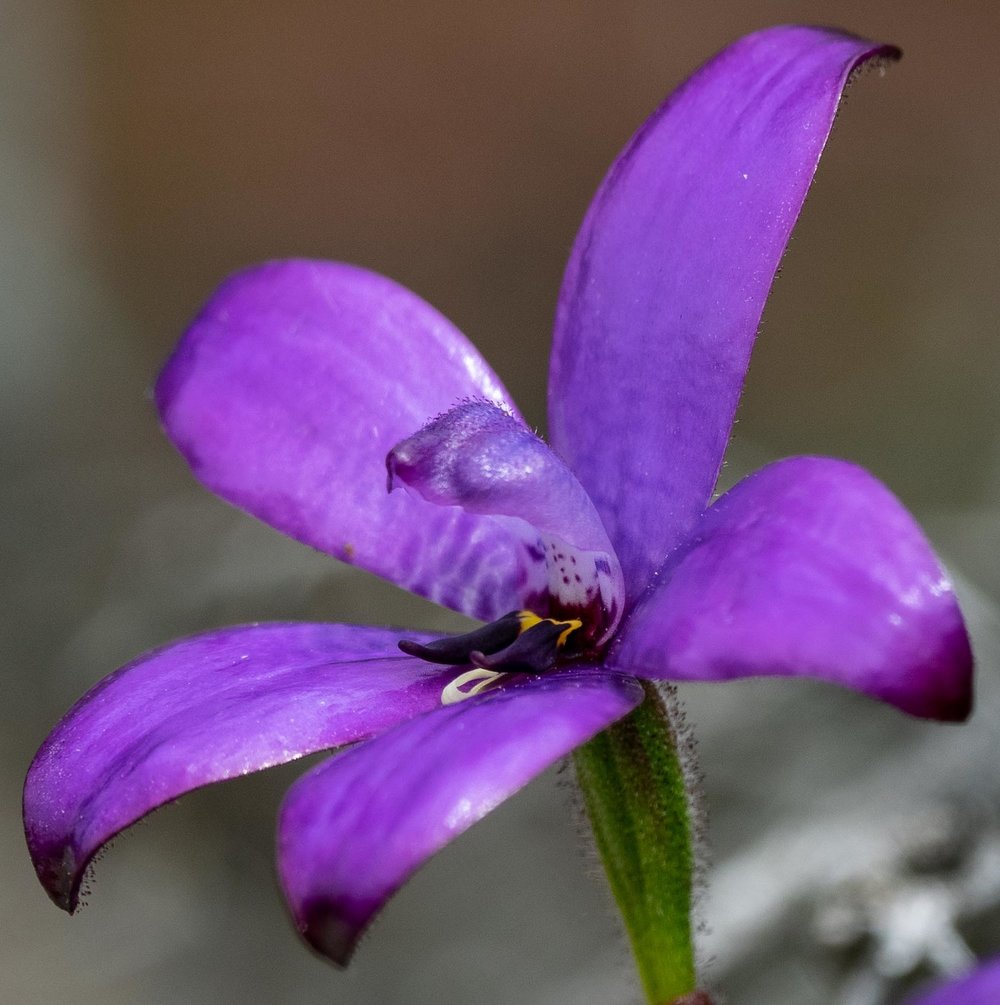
x: 809, y: 567
x: 664, y: 289
x: 355, y: 828
x: 201, y: 710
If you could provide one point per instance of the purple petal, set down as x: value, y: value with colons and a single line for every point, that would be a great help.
x: 980, y: 987
x: 289, y: 390
x: 203, y: 709
x: 667, y: 280
x: 354, y: 829
x: 810, y: 567
x: 479, y: 457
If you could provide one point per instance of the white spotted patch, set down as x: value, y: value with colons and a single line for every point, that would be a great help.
x: 578, y: 580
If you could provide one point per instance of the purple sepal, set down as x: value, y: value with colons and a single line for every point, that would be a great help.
x: 809, y: 567
x: 201, y: 710
x: 664, y: 290
x: 980, y: 987
x: 352, y: 830
x: 288, y: 391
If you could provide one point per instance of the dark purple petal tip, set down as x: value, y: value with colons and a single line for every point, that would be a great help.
x: 202, y: 710
x: 355, y: 828
x: 323, y: 924
x: 808, y: 567
x: 664, y: 289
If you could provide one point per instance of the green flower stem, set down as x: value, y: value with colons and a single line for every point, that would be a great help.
x: 634, y: 789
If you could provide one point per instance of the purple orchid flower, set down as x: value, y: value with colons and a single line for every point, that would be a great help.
x: 594, y: 561
x: 978, y: 987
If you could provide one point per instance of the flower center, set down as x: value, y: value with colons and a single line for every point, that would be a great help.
x: 519, y: 642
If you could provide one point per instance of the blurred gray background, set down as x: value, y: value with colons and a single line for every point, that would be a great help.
x: 146, y: 150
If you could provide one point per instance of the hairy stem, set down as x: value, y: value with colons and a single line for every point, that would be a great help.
x: 634, y: 789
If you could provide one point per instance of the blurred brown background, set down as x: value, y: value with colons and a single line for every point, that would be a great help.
x: 149, y: 149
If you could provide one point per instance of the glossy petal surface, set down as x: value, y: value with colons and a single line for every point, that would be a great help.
x: 667, y: 280
x: 980, y: 987
x: 203, y: 709
x: 809, y: 567
x: 288, y: 391
x: 479, y: 457
x: 354, y: 829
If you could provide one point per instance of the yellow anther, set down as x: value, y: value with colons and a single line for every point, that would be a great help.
x: 571, y: 626
x: 529, y: 620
